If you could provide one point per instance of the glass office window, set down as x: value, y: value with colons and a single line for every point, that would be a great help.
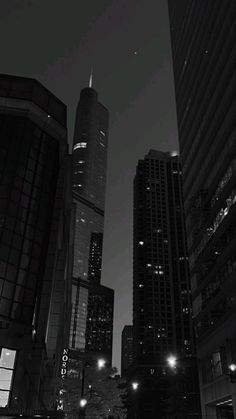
x: 7, y: 363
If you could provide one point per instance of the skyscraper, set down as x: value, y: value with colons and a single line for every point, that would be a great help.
x: 92, y: 304
x: 99, y: 328
x: 161, y: 293
x: 89, y: 181
x: 204, y: 56
x: 34, y: 243
x: 127, y: 352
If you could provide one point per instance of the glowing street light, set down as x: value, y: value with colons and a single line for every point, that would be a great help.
x: 135, y: 385
x: 101, y: 363
x: 83, y: 402
x: 232, y: 367
x: 232, y: 372
x: 172, y: 361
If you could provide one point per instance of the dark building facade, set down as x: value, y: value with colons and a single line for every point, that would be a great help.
x: 204, y: 56
x: 89, y: 182
x: 127, y: 351
x: 161, y: 292
x: 95, y: 258
x: 99, y: 330
x: 35, y: 257
x: 92, y: 304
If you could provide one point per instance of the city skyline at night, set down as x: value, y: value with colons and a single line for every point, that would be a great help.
x: 98, y: 35
x: 117, y: 209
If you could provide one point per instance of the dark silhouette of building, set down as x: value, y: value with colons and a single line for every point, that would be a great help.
x: 99, y: 327
x: 92, y: 304
x: 99, y: 331
x: 35, y: 255
x: 95, y: 258
x: 89, y: 181
x: 204, y: 56
x: 127, y: 354
x: 161, y: 292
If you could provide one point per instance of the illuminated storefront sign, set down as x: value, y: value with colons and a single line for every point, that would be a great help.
x: 64, y: 361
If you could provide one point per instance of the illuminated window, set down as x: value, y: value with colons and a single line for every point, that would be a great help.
x: 7, y: 361
x: 80, y: 145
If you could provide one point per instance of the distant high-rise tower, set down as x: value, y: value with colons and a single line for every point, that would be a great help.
x: 89, y: 182
x: 127, y: 352
x: 99, y: 329
x: 162, y: 309
x: 204, y: 57
x: 161, y: 305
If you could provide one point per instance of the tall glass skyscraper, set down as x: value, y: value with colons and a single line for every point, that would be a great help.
x: 92, y: 304
x: 161, y: 289
x: 89, y: 182
x: 204, y: 57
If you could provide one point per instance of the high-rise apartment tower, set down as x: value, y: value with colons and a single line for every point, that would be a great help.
x: 161, y: 292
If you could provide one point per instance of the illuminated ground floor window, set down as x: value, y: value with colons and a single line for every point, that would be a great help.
x: 7, y: 362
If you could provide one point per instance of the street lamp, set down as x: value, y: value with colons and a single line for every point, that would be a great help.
x: 83, y: 402
x: 135, y: 385
x: 101, y: 363
x: 172, y: 361
x: 232, y: 367
x: 232, y: 372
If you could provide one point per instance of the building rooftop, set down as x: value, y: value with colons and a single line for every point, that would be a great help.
x: 30, y: 89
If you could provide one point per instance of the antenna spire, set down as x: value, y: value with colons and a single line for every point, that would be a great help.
x: 91, y: 78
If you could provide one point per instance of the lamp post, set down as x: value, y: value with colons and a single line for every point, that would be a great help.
x: 83, y: 401
x: 135, y: 387
x: 172, y: 361
x: 232, y: 372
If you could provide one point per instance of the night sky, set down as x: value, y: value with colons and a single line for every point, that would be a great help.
x: 128, y: 45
